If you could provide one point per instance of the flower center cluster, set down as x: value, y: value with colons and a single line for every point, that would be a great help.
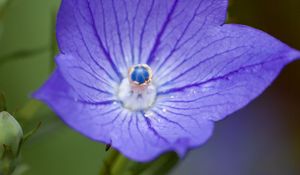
x: 137, y: 91
x: 140, y: 74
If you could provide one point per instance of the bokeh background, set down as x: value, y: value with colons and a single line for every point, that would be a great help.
x: 261, y: 139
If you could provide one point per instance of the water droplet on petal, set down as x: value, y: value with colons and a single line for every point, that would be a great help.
x: 149, y: 114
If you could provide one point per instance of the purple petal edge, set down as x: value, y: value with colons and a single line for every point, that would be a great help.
x: 230, y: 80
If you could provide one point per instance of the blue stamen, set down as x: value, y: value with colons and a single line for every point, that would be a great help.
x: 140, y: 74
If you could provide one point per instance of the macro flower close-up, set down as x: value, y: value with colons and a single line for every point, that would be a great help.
x: 151, y: 76
x: 149, y: 87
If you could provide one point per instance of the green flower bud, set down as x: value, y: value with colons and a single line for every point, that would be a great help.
x: 10, y: 133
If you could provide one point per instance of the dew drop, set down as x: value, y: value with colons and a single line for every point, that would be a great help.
x: 149, y: 114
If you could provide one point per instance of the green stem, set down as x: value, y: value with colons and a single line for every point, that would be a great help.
x: 109, y: 162
x: 161, y: 166
x: 117, y: 164
x: 120, y: 166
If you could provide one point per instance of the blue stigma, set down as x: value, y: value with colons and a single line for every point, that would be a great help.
x: 140, y: 75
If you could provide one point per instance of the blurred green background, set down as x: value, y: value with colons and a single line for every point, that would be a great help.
x: 261, y: 139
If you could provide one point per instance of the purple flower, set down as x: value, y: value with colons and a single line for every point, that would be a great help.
x: 149, y: 76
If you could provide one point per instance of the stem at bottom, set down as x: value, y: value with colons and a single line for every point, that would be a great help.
x: 117, y: 164
x: 109, y: 162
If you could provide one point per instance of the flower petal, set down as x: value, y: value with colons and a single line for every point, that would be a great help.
x: 143, y: 137
x: 78, y: 36
x: 92, y: 120
x: 180, y: 131
x: 117, y: 34
x: 231, y: 66
x: 89, y: 84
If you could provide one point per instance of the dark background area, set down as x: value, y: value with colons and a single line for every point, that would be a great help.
x: 261, y: 139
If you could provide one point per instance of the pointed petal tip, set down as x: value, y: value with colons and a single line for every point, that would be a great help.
x: 37, y: 94
x: 295, y: 54
x: 181, y: 153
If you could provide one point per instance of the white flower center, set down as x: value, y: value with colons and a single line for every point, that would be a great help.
x: 137, y: 92
x: 136, y: 100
